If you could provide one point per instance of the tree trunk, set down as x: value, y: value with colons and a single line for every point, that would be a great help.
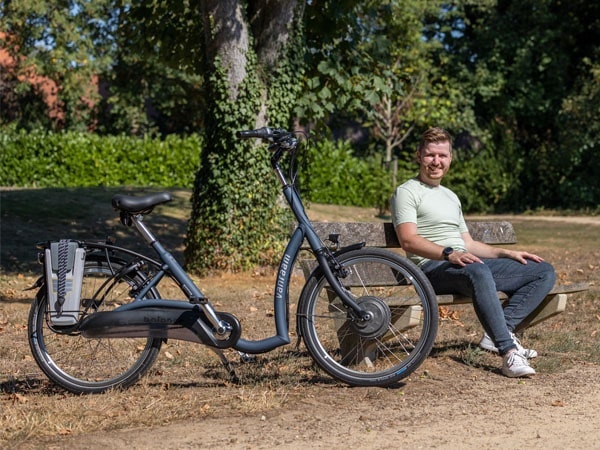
x: 234, y: 223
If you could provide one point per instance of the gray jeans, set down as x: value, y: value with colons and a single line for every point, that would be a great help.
x: 526, y: 285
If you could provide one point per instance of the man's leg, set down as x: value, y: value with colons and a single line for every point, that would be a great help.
x: 475, y: 281
x: 526, y: 285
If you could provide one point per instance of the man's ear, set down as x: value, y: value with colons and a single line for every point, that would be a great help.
x: 418, y: 156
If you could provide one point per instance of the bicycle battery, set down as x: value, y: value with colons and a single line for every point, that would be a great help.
x: 64, y: 261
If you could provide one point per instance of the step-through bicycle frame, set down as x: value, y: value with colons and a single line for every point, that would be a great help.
x: 168, y: 266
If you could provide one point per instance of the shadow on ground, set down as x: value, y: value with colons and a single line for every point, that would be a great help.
x: 28, y: 216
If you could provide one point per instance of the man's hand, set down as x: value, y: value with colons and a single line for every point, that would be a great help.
x: 463, y: 258
x: 522, y: 256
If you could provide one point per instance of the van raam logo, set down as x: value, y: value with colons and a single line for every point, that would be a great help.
x: 283, y: 272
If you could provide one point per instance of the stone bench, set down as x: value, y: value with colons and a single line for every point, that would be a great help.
x: 383, y: 235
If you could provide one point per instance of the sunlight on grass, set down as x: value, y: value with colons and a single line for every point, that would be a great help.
x: 188, y: 381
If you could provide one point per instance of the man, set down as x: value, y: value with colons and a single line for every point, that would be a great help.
x: 429, y: 222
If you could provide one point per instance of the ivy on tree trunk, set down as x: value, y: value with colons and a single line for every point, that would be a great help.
x: 252, y: 81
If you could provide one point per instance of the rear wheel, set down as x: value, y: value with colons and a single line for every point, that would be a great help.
x: 85, y: 365
x: 397, y: 338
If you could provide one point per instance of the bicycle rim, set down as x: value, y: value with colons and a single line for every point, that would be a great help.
x: 84, y: 365
x: 386, y: 350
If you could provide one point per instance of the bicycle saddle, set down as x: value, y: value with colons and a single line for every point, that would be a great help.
x: 140, y: 205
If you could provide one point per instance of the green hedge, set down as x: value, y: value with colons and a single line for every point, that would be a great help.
x: 334, y: 175
x: 330, y: 172
x: 40, y: 159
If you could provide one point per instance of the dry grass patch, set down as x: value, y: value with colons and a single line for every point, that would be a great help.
x: 188, y: 381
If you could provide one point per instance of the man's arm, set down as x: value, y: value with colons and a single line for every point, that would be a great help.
x: 483, y: 250
x: 412, y: 242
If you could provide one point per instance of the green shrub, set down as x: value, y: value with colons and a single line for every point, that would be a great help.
x: 71, y: 159
x: 332, y: 174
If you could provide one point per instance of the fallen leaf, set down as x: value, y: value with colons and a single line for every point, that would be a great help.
x: 18, y: 398
x: 168, y: 355
x: 557, y: 403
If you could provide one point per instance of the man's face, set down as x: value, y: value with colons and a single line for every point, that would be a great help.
x: 434, y: 161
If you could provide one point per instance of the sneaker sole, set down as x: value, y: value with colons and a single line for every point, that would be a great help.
x: 518, y: 375
x: 489, y: 349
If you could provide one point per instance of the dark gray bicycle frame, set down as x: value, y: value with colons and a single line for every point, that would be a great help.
x: 170, y: 266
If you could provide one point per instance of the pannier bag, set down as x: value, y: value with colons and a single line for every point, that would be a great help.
x: 64, y: 261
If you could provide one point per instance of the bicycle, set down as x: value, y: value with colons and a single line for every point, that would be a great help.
x: 367, y: 316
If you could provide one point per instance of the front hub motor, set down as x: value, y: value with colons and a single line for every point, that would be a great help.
x: 379, y: 321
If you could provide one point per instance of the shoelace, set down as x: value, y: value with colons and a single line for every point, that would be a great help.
x: 517, y: 359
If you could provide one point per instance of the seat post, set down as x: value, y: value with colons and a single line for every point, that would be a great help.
x: 143, y: 229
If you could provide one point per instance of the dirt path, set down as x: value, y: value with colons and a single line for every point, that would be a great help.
x: 446, y: 405
x: 450, y: 407
x: 582, y: 220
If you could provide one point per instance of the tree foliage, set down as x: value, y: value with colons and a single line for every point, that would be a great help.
x: 516, y: 82
x: 156, y: 85
x: 67, y: 41
x: 526, y: 64
x: 252, y: 82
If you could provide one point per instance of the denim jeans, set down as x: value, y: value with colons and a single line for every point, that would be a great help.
x: 525, y: 284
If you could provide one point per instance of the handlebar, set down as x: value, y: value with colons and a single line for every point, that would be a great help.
x: 266, y: 133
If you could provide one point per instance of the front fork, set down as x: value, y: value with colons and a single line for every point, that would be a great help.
x: 338, y: 272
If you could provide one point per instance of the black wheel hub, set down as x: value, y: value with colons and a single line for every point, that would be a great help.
x: 379, y: 318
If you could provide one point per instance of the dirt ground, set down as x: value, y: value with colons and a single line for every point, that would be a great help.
x: 446, y: 403
x: 453, y: 407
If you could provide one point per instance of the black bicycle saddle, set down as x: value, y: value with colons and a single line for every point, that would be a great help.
x: 139, y: 205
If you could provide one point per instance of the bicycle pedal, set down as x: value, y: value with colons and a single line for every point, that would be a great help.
x: 247, y: 358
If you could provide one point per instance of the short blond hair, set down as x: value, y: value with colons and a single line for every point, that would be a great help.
x: 434, y: 135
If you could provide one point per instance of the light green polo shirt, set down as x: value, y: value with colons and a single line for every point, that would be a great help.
x: 436, y: 211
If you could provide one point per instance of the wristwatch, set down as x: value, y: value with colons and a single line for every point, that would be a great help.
x: 447, y: 252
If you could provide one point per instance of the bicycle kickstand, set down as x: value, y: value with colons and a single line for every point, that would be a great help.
x: 227, y: 364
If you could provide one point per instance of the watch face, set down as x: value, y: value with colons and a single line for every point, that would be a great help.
x: 447, y: 251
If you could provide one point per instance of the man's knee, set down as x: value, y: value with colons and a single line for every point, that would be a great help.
x: 478, y: 271
x: 546, y: 271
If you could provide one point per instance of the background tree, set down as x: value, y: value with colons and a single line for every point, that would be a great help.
x: 253, y: 62
x: 515, y: 81
x: 67, y: 41
x: 521, y: 61
x: 369, y: 63
x: 156, y: 85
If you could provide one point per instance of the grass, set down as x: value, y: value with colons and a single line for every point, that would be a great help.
x: 188, y: 380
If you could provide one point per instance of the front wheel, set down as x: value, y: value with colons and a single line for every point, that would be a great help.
x: 84, y: 365
x: 393, y: 342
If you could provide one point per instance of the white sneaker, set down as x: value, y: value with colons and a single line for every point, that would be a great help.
x: 515, y: 365
x: 486, y: 343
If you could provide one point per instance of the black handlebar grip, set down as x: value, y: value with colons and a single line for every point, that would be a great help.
x: 261, y: 133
